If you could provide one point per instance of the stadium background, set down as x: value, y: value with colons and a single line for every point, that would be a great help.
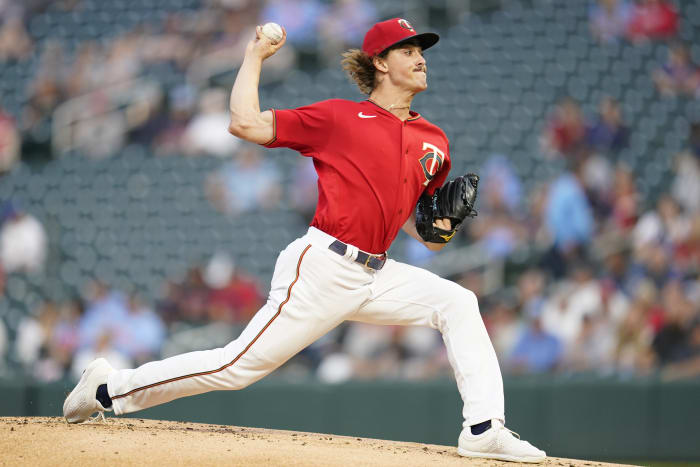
x: 135, y: 226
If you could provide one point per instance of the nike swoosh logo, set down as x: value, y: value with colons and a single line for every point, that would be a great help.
x: 361, y: 115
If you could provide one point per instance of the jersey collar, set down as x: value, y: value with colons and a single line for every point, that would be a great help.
x: 414, y: 115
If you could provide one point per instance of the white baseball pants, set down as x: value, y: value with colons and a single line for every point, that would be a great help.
x: 313, y: 290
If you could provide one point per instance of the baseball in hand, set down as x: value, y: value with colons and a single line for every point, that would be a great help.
x: 273, y: 31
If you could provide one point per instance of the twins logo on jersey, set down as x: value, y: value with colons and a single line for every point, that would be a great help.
x: 431, y: 162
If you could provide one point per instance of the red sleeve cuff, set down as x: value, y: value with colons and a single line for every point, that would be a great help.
x: 274, y: 129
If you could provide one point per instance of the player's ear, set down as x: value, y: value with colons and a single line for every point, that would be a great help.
x: 380, y: 64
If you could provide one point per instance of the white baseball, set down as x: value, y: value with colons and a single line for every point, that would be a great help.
x: 273, y: 31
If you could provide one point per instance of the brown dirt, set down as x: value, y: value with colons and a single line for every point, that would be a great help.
x: 51, y: 441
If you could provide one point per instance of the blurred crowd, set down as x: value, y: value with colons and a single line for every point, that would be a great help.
x: 610, y: 285
x: 57, y: 340
x: 635, y: 21
x: 185, y: 54
x: 614, y: 288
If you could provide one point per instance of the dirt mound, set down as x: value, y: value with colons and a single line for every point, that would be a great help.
x: 127, y: 441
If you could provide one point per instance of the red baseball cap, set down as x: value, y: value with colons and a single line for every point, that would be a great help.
x: 394, y: 31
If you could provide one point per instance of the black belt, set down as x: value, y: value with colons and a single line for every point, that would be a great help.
x: 369, y: 261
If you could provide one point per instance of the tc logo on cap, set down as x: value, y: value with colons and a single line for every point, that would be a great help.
x: 406, y: 25
x: 391, y: 32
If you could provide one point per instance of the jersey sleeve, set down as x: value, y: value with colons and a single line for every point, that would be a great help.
x: 305, y: 129
x: 439, y: 178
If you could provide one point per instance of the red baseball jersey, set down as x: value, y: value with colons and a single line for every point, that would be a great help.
x: 372, y: 166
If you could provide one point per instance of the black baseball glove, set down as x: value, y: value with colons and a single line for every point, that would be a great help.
x: 455, y: 200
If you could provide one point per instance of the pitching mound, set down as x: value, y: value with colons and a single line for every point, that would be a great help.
x: 124, y: 441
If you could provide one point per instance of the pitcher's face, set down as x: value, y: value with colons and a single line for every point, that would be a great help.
x: 407, y: 68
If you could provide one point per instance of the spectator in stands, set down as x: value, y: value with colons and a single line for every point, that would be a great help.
x: 625, y: 199
x: 498, y: 228
x: 33, y: 332
x: 608, y: 133
x: 531, y: 286
x: 671, y: 343
x: 498, y: 233
x: 123, y: 58
x: 103, y: 346
x: 15, y: 43
x: 688, y: 367
x: 145, y: 119
x: 536, y: 350
x: 247, y: 183
x: 535, y: 221
x: 569, y: 221
x: 659, y: 239
x: 421, y: 352
x: 168, y: 137
x: 653, y: 262
x: 382, y: 352
x: 9, y: 142
x: 140, y: 336
x: 577, y: 296
x: 592, y: 349
x: 23, y: 241
x: 565, y: 132
x: 685, y: 188
x: 168, y: 305
x: 203, y: 135
x: 615, y: 264
x: 65, y: 336
x: 104, y: 134
x: 365, y: 351
x: 504, y: 327
x: 37, y: 347
x: 234, y: 296
x: 645, y: 294
x: 500, y: 186
x: 652, y: 19
x: 190, y: 297
x: 597, y: 176
x: 106, y: 310
x: 45, y: 96
x: 678, y: 76
x: 666, y: 224
x: 687, y: 252
x: 633, y: 354
x: 87, y: 69
x: 608, y: 20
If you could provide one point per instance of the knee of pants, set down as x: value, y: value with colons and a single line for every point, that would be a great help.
x: 236, y: 379
x: 463, y: 304
x: 238, y: 384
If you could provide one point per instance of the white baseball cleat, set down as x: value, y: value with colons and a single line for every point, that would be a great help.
x: 81, y: 402
x: 499, y: 443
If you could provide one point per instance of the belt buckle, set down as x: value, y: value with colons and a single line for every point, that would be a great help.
x: 367, y: 261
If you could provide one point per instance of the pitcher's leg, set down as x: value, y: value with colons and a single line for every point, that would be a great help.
x: 404, y: 294
x: 234, y: 366
x: 310, y: 295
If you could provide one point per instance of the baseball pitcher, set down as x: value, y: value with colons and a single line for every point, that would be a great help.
x: 381, y: 167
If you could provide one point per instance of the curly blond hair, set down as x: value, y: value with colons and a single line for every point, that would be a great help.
x: 360, y: 69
